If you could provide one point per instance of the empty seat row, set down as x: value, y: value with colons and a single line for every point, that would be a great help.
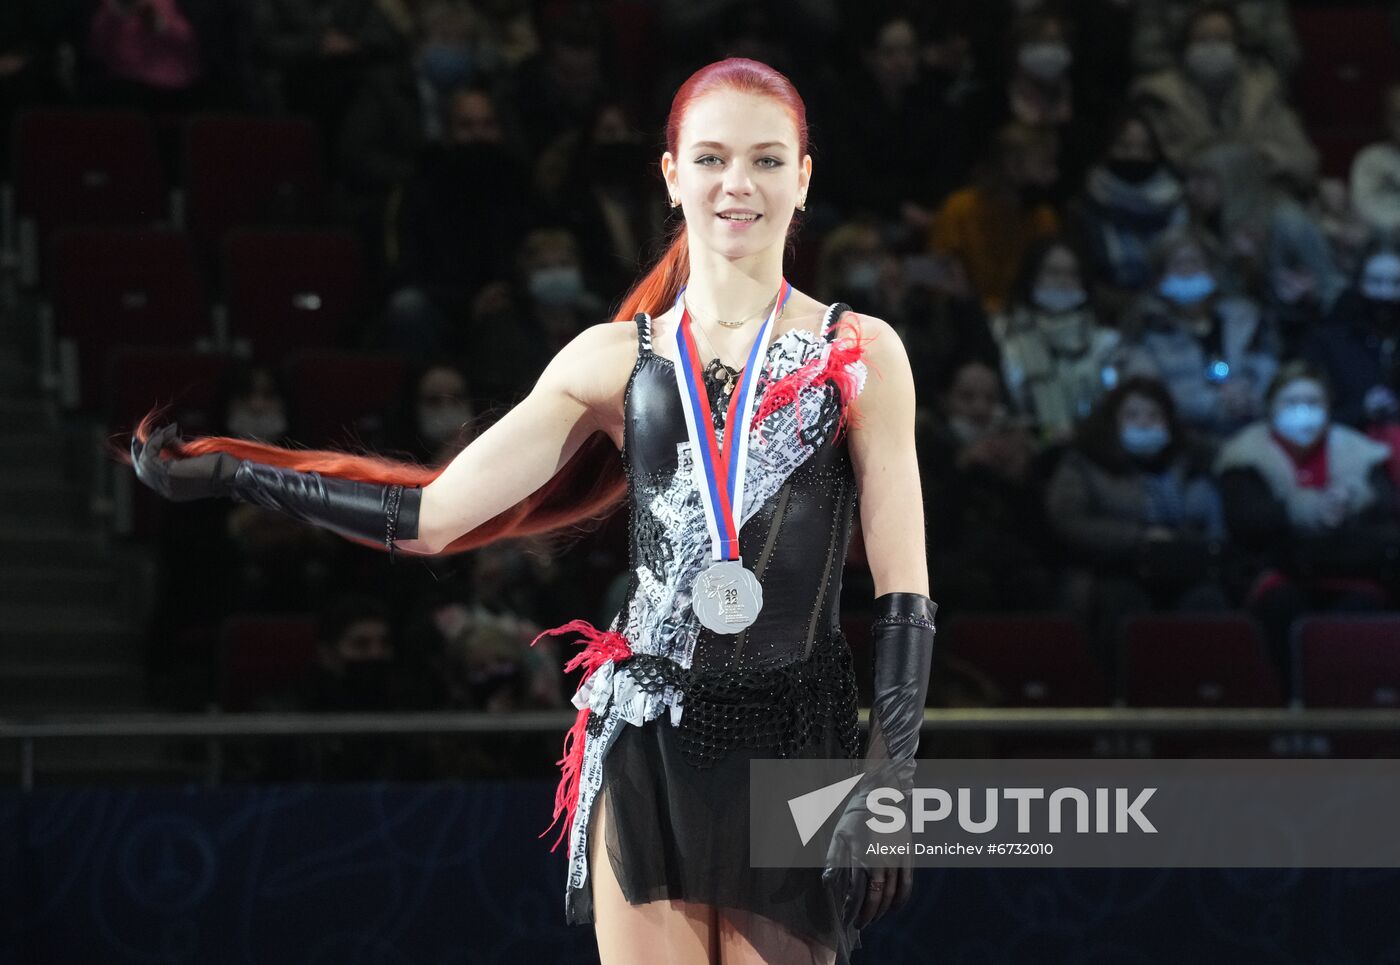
x: 75, y: 168
x: 1183, y: 661
x: 283, y: 290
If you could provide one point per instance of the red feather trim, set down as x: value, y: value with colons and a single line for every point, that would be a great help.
x: 601, y: 646
x: 846, y: 349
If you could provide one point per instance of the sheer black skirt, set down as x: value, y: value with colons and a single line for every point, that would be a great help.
x: 677, y: 831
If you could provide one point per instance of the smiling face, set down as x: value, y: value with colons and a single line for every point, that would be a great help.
x: 736, y: 172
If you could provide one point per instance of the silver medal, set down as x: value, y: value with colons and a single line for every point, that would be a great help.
x: 727, y: 596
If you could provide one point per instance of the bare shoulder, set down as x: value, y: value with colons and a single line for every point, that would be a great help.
x: 593, y: 370
x: 881, y: 346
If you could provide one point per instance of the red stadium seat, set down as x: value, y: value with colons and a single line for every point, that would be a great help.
x: 76, y: 168
x: 342, y: 398
x: 292, y: 289
x: 248, y: 171
x: 1351, y: 661
x: 120, y: 287
x: 1349, y: 55
x: 1040, y: 660
x: 263, y: 656
x: 1175, y: 660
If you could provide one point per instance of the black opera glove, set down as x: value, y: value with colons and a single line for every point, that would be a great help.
x: 367, y: 511
x: 903, y: 637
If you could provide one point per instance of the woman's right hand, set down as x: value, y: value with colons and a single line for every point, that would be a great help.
x: 181, y: 480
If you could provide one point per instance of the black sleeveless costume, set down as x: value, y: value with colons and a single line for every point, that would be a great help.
x: 677, y: 791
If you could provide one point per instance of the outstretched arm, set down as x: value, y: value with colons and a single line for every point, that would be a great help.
x: 579, y: 393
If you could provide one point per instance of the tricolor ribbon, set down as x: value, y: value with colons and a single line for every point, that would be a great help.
x: 719, y: 469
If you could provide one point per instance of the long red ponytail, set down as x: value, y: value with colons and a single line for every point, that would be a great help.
x: 592, y: 483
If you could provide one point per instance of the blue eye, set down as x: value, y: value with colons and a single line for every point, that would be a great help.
x: 764, y: 161
x: 706, y: 159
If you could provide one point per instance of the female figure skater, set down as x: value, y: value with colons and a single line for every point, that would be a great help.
x: 726, y: 394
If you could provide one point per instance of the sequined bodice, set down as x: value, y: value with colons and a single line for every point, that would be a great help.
x: 794, y: 529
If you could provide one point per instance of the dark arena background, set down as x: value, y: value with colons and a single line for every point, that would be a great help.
x: 1140, y: 252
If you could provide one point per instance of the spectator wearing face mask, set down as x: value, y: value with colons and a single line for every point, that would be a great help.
x: 1039, y: 92
x: 1375, y: 173
x: 927, y: 298
x: 437, y: 414
x: 279, y: 565
x: 1268, y: 245
x: 1357, y: 348
x: 596, y: 181
x: 1215, y: 352
x: 1056, y: 357
x: 1312, y: 504
x: 400, y: 107
x: 1136, y: 510
x: 1131, y: 199
x: 989, y: 224
x: 1265, y: 31
x: 1216, y: 94
x: 978, y: 464
x: 436, y: 268
x: 528, y: 319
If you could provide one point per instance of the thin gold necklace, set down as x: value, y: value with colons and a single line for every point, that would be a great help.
x: 741, y: 322
x: 718, y: 368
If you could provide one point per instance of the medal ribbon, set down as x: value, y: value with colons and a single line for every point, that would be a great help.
x: 719, y: 470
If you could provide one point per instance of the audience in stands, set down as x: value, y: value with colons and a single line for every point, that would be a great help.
x: 986, y: 541
x: 1216, y: 352
x: 991, y: 223
x: 1131, y: 198
x: 1214, y: 91
x: 1137, y: 512
x: 1311, y: 506
x: 1056, y: 356
x: 1093, y: 312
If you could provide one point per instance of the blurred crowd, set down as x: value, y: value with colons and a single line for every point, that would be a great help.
x: 1154, y: 329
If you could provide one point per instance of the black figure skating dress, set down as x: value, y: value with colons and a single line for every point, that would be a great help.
x: 671, y: 712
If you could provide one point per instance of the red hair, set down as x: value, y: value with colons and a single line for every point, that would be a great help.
x: 592, y: 483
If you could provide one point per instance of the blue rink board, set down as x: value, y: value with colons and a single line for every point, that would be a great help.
x: 450, y: 874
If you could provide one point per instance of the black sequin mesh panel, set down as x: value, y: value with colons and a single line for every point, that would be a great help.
x: 789, y: 708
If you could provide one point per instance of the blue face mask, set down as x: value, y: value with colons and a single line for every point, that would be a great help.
x: 1056, y: 300
x: 1143, y: 440
x: 446, y: 65
x: 1187, y: 289
x: 1300, y: 423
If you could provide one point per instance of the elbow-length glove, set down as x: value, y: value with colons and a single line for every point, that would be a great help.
x: 903, y: 636
x: 374, y: 512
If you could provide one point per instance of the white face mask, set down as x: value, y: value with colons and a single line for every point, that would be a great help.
x: 439, y: 423
x: 1300, y: 423
x: 1380, y: 280
x: 1046, y: 60
x: 1211, y: 61
x: 263, y: 426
